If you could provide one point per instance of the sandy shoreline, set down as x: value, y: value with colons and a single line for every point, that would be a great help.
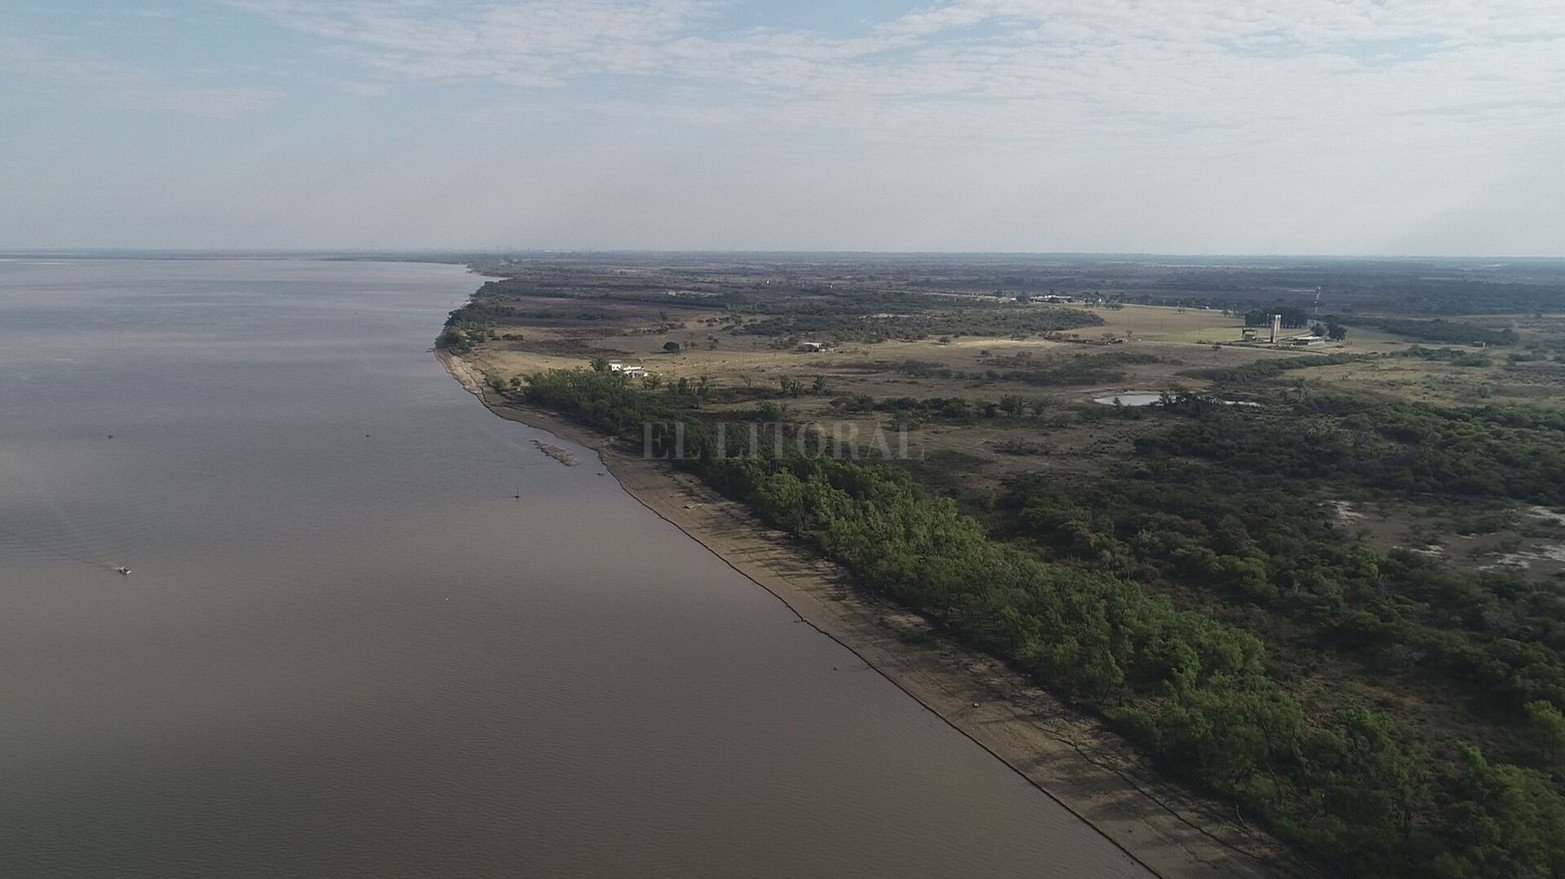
x: 1065, y: 754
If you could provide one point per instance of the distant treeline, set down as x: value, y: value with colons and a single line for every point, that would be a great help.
x: 1350, y: 789
x: 795, y: 309
x: 1391, y: 287
x: 1450, y: 332
x: 1293, y: 317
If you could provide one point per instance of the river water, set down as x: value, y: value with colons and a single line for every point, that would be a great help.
x: 346, y: 650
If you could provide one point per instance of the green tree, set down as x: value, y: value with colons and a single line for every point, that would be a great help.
x: 1500, y: 820
x: 1548, y: 727
x: 1369, y: 786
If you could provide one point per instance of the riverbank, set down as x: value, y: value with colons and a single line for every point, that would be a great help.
x: 1065, y: 754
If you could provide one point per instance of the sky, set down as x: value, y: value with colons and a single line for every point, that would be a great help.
x: 1362, y: 127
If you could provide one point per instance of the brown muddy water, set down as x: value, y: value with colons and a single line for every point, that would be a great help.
x: 346, y: 650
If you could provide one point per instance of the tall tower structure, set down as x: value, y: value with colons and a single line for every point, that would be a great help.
x: 1276, y: 327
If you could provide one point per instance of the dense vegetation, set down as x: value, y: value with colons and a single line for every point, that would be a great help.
x: 1449, y: 332
x: 1353, y: 787
x: 1494, y: 641
x: 457, y: 339
x: 1509, y: 452
x: 1261, y: 370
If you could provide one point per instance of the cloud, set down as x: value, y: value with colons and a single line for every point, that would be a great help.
x: 1282, y: 125
x: 535, y: 43
x: 359, y: 88
x: 1008, y: 67
x: 46, y: 70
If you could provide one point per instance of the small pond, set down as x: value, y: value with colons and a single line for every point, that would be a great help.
x: 1150, y: 398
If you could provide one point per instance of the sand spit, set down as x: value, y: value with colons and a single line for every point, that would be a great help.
x: 556, y: 453
x: 1066, y: 754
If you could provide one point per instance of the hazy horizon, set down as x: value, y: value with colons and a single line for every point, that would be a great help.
x: 462, y: 254
x: 1406, y: 129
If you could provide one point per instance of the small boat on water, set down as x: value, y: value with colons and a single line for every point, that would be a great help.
x: 122, y: 570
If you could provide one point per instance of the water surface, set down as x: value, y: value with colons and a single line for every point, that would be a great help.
x: 346, y: 650
x: 1150, y: 398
